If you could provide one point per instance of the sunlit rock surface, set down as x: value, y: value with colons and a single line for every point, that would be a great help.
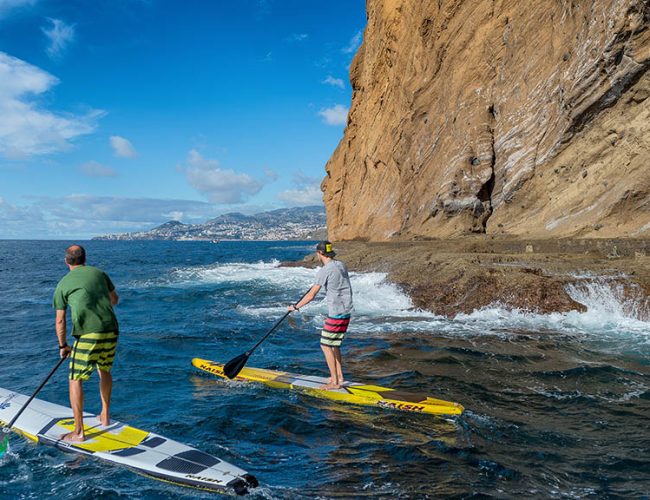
x: 500, y: 117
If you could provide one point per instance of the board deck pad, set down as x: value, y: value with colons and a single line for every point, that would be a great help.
x: 144, y: 452
x: 351, y: 392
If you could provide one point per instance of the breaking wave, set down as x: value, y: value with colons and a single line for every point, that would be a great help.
x: 381, y: 306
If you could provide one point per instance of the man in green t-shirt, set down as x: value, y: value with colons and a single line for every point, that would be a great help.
x: 91, y: 295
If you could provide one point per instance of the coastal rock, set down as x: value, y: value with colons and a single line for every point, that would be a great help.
x: 462, y: 275
x: 527, y: 119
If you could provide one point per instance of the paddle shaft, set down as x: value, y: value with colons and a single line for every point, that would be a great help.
x: 235, y: 365
x: 13, y: 420
x: 250, y: 351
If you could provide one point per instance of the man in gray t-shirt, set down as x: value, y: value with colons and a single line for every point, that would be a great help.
x: 333, y: 276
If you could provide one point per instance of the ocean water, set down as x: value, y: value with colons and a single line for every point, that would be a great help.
x: 557, y: 406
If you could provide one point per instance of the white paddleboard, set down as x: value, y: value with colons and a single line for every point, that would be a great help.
x: 144, y: 452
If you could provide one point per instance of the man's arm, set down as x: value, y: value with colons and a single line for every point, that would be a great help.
x: 61, y: 328
x: 311, y: 294
x: 112, y: 294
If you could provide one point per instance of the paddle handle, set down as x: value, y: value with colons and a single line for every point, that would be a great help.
x: 250, y: 351
x: 13, y: 420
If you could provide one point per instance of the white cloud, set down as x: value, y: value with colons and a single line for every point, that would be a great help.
x: 271, y: 174
x: 297, y: 37
x: 336, y: 115
x: 7, y: 5
x: 323, y: 62
x: 11, y: 214
x: 25, y: 128
x: 60, y: 36
x: 116, y: 208
x: 334, y: 82
x: 354, y: 43
x: 306, y: 196
x: 122, y: 147
x: 263, y: 8
x: 303, y: 180
x: 85, y: 216
x: 217, y: 184
x: 174, y: 215
x: 307, y: 192
x: 96, y: 169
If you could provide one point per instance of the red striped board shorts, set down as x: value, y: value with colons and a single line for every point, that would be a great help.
x: 334, y: 330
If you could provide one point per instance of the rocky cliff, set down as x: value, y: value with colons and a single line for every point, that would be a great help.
x: 507, y: 117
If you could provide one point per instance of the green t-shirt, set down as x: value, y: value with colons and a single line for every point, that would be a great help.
x: 86, y: 290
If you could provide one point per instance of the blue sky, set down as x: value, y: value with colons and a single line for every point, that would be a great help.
x: 117, y: 115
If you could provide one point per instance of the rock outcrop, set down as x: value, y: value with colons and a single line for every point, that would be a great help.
x: 461, y: 275
x: 496, y: 116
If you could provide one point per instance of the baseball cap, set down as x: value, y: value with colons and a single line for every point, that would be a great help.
x: 326, y: 248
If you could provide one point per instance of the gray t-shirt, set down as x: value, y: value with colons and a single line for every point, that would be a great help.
x: 333, y: 276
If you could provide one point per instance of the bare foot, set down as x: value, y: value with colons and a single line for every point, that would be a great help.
x: 104, y: 420
x: 73, y: 437
x: 330, y: 387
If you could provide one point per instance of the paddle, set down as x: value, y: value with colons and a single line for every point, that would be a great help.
x: 5, y: 442
x: 235, y: 365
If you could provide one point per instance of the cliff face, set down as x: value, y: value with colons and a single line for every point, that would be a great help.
x: 498, y: 116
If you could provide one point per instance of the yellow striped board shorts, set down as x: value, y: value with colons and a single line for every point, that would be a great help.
x: 90, y: 351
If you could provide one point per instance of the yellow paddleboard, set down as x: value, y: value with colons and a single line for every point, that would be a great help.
x: 350, y: 392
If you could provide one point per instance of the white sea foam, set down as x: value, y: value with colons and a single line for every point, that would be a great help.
x: 380, y: 306
x: 611, y: 315
x: 373, y: 294
x: 612, y: 302
x: 241, y: 273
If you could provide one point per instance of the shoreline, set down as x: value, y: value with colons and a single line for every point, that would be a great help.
x: 449, y: 277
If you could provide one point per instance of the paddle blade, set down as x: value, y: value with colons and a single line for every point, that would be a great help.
x: 4, y: 446
x: 232, y: 368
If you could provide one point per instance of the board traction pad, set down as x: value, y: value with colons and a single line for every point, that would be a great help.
x: 144, y: 452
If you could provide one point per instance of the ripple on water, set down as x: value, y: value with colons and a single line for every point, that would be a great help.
x: 554, y: 403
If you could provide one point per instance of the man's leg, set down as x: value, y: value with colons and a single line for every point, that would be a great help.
x: 77, y: 404
x: 339, y: 364
x: 331, y: 364
x: 108, y: 344
x: 105, y: 388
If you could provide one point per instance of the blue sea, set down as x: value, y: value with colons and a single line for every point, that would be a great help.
x: 557, y: 405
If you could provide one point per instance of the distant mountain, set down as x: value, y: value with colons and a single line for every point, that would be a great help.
x: 281, y: 224
x: 172, y: 224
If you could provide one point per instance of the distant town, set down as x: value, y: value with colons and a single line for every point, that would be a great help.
x: 299, y: 223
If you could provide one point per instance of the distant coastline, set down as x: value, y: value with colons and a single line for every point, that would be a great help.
x: 298, y: 223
